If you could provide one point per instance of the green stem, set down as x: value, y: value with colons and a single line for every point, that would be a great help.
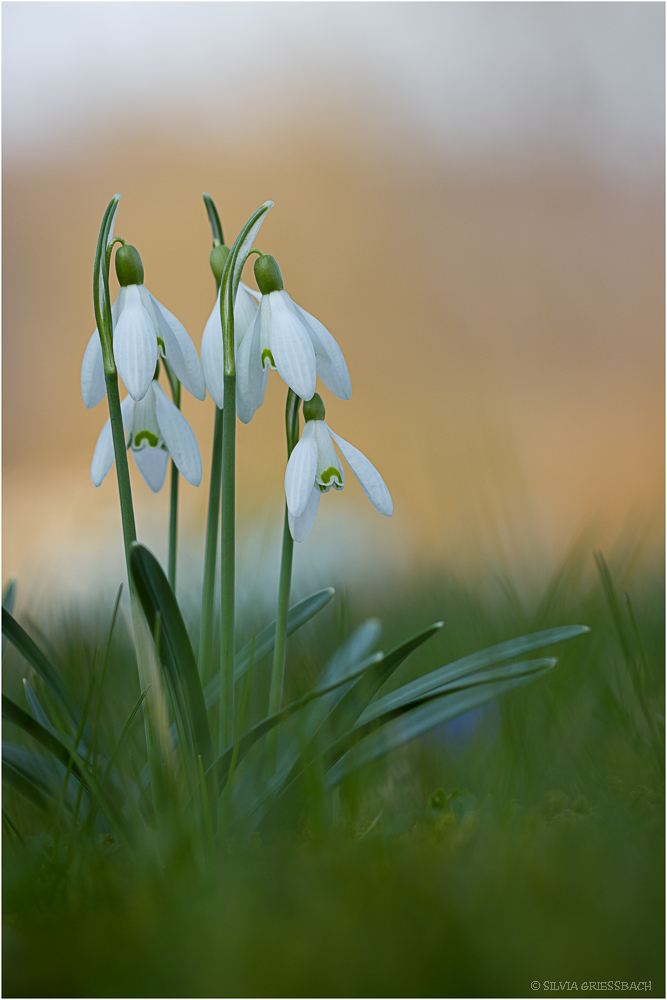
x: 173, y: 525
x: 211, y: 551
x: 227, y: 563
x: 122, y: 468
x: 173, y: 499
x: 285, y: 584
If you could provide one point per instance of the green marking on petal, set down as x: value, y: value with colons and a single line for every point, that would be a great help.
x: 162, y: 347
x: 329, y: 474
x: 145, y: 436
x: 266, y: 353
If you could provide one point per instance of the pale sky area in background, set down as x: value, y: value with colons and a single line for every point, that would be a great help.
x: 462, y: 80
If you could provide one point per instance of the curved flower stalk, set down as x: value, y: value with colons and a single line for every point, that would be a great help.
x: 143, y: 330
x: 285, y: 337
x: 245, y: 308
x: 314, y: 468
x: 155, y: 429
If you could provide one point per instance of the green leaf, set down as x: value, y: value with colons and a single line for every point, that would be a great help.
x: 38, y: 770
x: 351, y: 652
x: 23, y: 778
x: 175, y: 650
x: 220, y: 766
x: 469, y: 664
x: 265, y: 640
x: 14, y: 713
x: 231, y: 276
x: 40, y: 663
x: 213, y: 218
x: 101, y: 274
x: 67, y: 756
x: 340, y: 719
x: 355, y: 700
x: 435, y: 708
x: 9, y: 596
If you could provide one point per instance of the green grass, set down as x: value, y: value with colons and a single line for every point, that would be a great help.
x: 525, y: 846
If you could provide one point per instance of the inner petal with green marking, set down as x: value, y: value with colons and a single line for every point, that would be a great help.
x: 266, y: 355
x: 145, y: 436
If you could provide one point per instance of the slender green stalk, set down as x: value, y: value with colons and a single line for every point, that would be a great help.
x: 213, y: 518
x: 227, y: 562
x: 173, y: 498
x: 122, y: 468
x: 211, y: 551
x: 285, y: 584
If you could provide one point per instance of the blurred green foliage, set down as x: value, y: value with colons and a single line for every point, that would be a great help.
x: 523, y: 843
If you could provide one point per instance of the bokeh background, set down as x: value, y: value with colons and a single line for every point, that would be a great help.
x: 468, y: 195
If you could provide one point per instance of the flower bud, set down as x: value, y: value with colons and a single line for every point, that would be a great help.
x: 267, y: 274
x: 129, y: 268
x: 218, y: 259
x: 313, y: 409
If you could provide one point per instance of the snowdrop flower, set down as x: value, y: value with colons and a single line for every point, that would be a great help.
x: 314, y: 467
x: 285, y: 337
x: 155, y: 429
x: 245, y: 308
x: 142, y: 331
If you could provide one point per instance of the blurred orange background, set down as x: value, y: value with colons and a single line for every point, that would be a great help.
x: 469, y: 196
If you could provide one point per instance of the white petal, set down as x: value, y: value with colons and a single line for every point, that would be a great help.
x: 245, y: 308
x: 211, y: 355
x: 256, y: 295
x: 135, y: 345
x: 103, y: 455
x: 301, y: 527
x: 329, y: 358
x: 181, y: 353
x: 369, y: 478
x: 250, y: 378
x: 300, y: 471
x: 93, y: 386
x: 178, y: 436
x: 291, y: 346
x: 152, y: 464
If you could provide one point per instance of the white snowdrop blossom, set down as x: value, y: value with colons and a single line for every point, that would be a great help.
x: 245, y: 308
x: 314, y: 468
x: 143, y: 330
x: 285, y: 337
x: 154, y: 429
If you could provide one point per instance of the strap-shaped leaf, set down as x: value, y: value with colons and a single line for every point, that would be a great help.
x: 9, y: 596
x: 213, y: 218
x: 38, y: 770
x: 265, y: 640
x: 220, y: 766
x: 101, y: 276
x: 469, y: 664
x: 67, y: 756
x: 175, y: 650
x: 355, y: 700
x: 231, y: 277
x: 41, y: 664
x: 342, y: 717
x: 435, y: 709
x: 31, y: 785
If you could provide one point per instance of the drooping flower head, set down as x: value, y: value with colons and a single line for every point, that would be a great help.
x: 143, y: 330
x: 314, y: 468
x: 245, y: 308
x: 285, y: 337
x: 155, y: 429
